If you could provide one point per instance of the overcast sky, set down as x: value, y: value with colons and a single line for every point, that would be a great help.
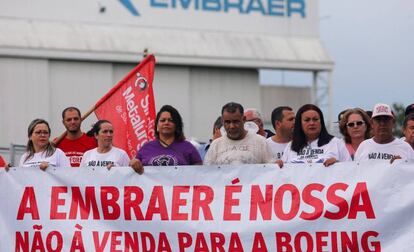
x: 372, y: 44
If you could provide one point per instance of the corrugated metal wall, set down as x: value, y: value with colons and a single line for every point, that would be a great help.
x: 24, y: 92
x: 275, y: 96
x: 32, y: 88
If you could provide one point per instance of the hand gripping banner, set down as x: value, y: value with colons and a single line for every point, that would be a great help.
x: 346, y: 207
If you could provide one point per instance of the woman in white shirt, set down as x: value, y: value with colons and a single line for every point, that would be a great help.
x: 355, y: 126
x: 106, y: 155
x: 39, y: 151
x: 311, y: 142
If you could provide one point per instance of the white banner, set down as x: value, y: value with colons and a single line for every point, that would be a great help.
x: 346, y: 207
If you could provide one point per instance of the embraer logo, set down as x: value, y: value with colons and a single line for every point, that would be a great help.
x: 276, y: 8
x: 130, y: 7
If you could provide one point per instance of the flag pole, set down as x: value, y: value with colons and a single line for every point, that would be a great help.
x: 57, y: 140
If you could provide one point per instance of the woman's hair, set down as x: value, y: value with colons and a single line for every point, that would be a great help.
x: 96, y: 128
x: 30, y: 147
x: 177, y: 120
x: 299, y: 140
x: 344, y: 120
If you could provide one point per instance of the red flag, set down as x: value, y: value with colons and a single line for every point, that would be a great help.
x: 130, y: 107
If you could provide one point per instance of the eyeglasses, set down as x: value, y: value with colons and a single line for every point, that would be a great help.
x: 354, y: 124
x: 44, y: 133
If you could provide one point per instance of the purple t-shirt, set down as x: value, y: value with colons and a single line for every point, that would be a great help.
x: 177, y: 153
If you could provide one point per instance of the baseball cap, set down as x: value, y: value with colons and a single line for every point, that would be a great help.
x: 382, y: 109
x: 409, y: 109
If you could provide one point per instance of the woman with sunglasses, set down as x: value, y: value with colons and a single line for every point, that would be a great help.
x: 39, y: 151
x: 311, y: 142
x: 355, y: 126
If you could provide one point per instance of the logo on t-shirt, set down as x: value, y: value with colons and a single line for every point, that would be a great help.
x: 164, y: 160
x: 279, y: 155
x: 100, y: 163
x: 308, y: 153
x: 379, y: 155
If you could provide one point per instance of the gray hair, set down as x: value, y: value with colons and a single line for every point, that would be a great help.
x: 255, y: 113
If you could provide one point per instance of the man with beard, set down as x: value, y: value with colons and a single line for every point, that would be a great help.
x: 238, y: 146
x: 283, y: 121
x: 76, y: 142
x: 383, y: 146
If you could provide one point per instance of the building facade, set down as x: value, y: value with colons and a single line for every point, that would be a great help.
x: 55, y: 54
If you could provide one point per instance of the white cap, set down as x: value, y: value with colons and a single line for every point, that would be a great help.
x: 381, y: 109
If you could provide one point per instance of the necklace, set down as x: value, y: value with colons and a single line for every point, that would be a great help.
x: 163, y: 143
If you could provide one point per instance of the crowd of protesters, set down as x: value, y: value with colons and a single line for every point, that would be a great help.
x: 300, y: 137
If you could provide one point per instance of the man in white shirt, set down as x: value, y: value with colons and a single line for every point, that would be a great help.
x: 383, y: 146
x: 283, y: 121
x: 238, y: 146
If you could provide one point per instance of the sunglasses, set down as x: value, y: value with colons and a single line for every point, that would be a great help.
x: 354, y: 124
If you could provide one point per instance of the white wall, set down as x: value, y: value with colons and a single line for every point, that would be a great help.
x: 212, y: 88
x: 24, y: 91
x: 199, y: 93
x: 79, y: 84
x: 42, y: 89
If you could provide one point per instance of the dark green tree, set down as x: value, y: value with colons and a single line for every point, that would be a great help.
x: 399, y: 110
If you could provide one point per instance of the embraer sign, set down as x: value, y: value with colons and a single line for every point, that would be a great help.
x: 281, y: 18
x: 130, y: 7
x: 280, y: 8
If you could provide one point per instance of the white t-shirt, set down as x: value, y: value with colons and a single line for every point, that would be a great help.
x: 369, y: 150
x: 57, y: 159
x: 277, y: 148
x: 314, y: 154
x: 252, y: 149
x: 116, y: 157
